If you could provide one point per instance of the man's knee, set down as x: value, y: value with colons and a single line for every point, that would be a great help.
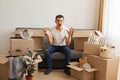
x: 68, y: 50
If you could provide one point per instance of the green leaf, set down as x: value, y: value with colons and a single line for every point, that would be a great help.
x: 35, y: 56
x: 30, y: 53
x: 28, y: 60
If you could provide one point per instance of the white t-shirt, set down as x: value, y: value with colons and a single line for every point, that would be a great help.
x: 59, y: 38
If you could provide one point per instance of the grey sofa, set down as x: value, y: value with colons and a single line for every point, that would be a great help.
x: 57, y: 57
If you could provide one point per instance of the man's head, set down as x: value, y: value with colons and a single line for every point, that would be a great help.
x: 59, y: 20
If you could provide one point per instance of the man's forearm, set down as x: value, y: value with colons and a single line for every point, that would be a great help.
x: 68, y: 40
x: 50, y: 39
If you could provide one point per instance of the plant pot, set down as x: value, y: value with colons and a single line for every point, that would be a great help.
x: 28, y: 77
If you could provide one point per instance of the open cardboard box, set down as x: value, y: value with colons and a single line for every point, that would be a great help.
x: 80, y: 73
x: 81, y: 36
x: 36, y: 32
x: 4, y: 67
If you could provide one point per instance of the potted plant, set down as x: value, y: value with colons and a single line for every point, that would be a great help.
x: 31, y: 59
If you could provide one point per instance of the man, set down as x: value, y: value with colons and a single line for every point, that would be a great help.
x: 59, y: 37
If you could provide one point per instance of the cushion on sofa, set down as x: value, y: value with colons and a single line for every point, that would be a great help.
x: 60, y: 56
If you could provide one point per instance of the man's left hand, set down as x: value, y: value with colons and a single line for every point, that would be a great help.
x: 71, y: 31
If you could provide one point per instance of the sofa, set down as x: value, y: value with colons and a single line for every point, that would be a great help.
x: 57, y: 57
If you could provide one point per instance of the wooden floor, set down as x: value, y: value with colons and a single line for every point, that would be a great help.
x: 56, y: 74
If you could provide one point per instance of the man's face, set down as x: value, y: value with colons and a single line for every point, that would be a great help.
x: 59, y: 21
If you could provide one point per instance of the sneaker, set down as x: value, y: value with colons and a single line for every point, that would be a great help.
x: 67, y: 72
x: 47, y: 72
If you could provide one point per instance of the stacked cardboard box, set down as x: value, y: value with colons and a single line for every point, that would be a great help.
x: 107, y: 68
x: 81, y: 36
x: 20, y: 46
x: 4, y: 67
x: 37, y: 36
x: 90, y: 49
x: 35, y: 43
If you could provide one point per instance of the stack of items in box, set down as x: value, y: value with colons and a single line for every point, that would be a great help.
x: 25, y: 39
x: 100, y: 55
x: 95, y: 41
x: 82, y: 70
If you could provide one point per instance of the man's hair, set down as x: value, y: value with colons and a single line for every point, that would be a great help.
x: 59, y: 16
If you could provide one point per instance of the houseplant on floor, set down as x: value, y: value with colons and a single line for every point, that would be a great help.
x: 31, y: 59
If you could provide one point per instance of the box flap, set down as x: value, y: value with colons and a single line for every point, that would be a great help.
x: 74, y: 63
x: 4, y: 54
x: 82, y: 33
x: 18, y: 31
x: 107, y: 59
x: 91, y: 70
x: 75, y: 68
x: 36, y: 33
x: 3, y: 60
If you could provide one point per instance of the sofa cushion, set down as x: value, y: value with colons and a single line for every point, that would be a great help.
x: 75, y: 55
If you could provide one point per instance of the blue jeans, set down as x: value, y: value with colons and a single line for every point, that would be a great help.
x: 64, y: 49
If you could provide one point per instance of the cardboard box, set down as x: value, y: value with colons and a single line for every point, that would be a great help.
x: 92, y: 49
x: 20, y: 45
x: 81, y: 73
x: 79, y: 43
x: 4, y: 67
x: 107, y: 68
x: 81, y: 36
x: 38, y: 35
x: 38, y: 42
x: 82, y: 33
x: 4, y: 55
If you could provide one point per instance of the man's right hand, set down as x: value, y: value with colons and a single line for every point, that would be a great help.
x: 49, y: 35
x: 47, y: 32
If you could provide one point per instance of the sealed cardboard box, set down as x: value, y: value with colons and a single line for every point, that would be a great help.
x: 20, y: 46
x: 79, y: 43
x: 79, y: 37
x: 17, y: 52
x: 38, y: 42
x: 107, y: 68
x: 4, y: 55
x: 80, y: 73
x: 4, y: 68
x: 92, y: 49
